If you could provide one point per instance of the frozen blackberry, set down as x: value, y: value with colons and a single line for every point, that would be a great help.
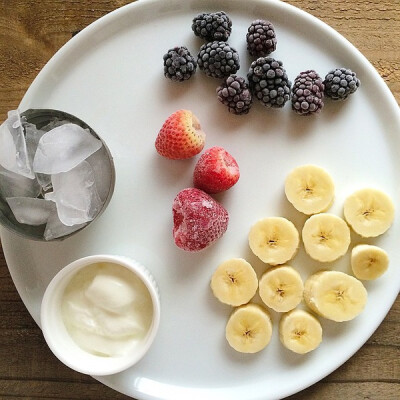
x: 212, y: 26
x: 269, y: 82
x: 307, y: 93
x: 218, y: 59
x: 340, y: 83
x: 261, y: 38
x: 235, y: 94
x: 179, y: 64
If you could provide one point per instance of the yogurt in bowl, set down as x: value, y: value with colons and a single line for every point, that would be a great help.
x: 100, y: 314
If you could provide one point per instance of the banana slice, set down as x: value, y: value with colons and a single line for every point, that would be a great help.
x: 281, y: 288
x: 249, y: 328
x: 326, y: 237
x: 335, y: 295
x: 310, y: 189
x: 234, y: 282
x: 370, y: 212
x: 300, y: 332
x: 274, y: 240
x: 368, y: 262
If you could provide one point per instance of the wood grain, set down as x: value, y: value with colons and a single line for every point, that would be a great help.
x: 31, y: 31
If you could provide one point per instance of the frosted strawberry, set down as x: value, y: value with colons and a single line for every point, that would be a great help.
x: 215, y: 171
x: 199, y: 220
x: 181, y: 136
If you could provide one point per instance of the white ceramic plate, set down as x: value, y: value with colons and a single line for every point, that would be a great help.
x: 111, y: 76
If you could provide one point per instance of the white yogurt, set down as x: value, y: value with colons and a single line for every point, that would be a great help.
x: 106, y: 309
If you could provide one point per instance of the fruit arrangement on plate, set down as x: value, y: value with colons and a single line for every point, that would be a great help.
x: 200, y: 221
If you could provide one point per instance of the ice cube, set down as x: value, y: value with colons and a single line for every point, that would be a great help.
x: 76, y: 195
x: 63, y: 148
x: 102, y: 171
x: 7, y: 148
x: 14, y: 185
x: 56, y: 229
x: 32, y: 137
x: 30, y: 211
x: 13, y: 151
x: 50, y: 196
x: 44, y: 181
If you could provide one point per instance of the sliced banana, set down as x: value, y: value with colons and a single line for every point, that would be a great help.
x: 234, y: 282
x: 335, y: 295
x: 281, y: 288
x: 370, y: 212
x: 368, y: 262
x: 249, y: 328
x: 310, y: 189
x: 326, y: 237
x: 274, y: 240
x: 299, y: 331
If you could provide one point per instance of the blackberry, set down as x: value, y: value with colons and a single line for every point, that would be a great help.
x: 261, y: 38
x: 179, y: 64
x: 340, y: 83
x: 269, y: 82
x: 218, y: 59
x: 212, y: 26
x: 308, y: 93
x: 235, y: 94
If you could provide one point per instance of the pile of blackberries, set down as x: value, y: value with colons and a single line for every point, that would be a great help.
x: 267, y: 80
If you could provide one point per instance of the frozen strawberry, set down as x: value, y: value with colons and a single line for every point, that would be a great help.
x: 199, y: 220
x: 215, y: 171
x: 181, y: 136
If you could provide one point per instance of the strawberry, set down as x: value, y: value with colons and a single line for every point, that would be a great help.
x: 199, y: 220
x: 181, y: 136
x: 215, y: 171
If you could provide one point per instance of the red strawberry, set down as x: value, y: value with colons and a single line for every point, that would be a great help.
x: 199, y: 220
x: 215, y: 171
x: 181, y: 136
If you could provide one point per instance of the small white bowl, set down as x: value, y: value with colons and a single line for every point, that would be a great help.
x: 61, y: 342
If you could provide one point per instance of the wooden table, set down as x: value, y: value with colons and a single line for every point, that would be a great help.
x: 31, y: 31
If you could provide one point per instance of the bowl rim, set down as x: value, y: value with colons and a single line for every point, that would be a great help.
x: 61, y: 280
